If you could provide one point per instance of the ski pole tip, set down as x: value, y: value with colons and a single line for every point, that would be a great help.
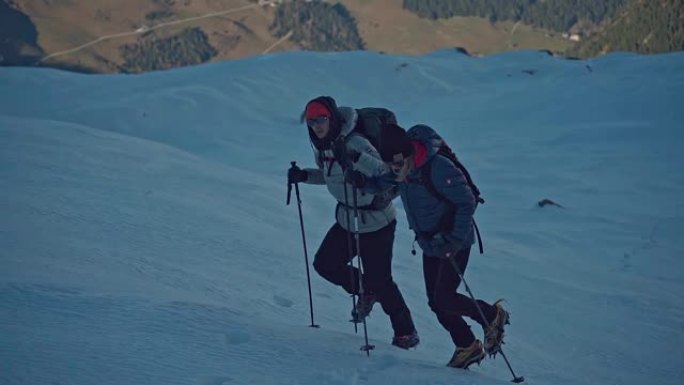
x: 518, y: 380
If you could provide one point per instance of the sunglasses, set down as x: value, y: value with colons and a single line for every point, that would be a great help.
x: 317, y: 120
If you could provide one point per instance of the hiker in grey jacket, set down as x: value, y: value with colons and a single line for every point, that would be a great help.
x: 338, y: 148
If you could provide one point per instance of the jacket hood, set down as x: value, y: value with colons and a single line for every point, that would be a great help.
x: 426, y: 143
x: 349, y: 118
x: 336, y: 123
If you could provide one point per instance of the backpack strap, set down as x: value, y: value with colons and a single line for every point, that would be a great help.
x: 479, y: 238
x: 476, y: 191
x: 426, y: 179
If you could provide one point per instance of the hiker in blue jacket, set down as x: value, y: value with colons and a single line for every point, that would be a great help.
x: 338, y: 145
x: 439, y: 203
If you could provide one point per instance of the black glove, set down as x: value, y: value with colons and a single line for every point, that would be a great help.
x: 445, y: 246
x: 355, y: 178
x: 296, y: 175
x: 345, y: 156
x: 353, y: 155
x: 339, y: 149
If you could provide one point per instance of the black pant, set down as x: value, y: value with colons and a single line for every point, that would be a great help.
x: 332, y: 263
x: 441, y: 282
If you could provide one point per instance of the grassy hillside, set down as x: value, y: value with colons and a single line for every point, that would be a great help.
x: 65, y: 24
x: 386, y: 26
x: 242, y: 28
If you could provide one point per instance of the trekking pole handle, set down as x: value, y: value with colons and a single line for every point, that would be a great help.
x: 289, y: 185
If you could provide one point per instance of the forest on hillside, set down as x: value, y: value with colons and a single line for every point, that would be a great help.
x: 645, y: 26
x: 317, y: 26
x: 557, y: 15
x: 189, y: 47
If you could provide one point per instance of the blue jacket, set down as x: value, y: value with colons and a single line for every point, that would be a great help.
x: 424, y: 211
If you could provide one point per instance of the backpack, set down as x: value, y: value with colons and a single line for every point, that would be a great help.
x: 370, y: 122
x: 426, y: 180
x: 447, y: 152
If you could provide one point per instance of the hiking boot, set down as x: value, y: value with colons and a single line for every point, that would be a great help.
x: 364, y: 305
x: 406, y: 341
x: 464, y: 357
x: 495, y: 332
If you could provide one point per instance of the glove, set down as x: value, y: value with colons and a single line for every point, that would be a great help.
x: 296, y: 175
x: 353, y: 155
x: 444, y: 246
x: 339, y: 149
x: 344, y: 155
x: 355, y: 178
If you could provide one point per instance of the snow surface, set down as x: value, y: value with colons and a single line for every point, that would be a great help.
x: 144, y: 236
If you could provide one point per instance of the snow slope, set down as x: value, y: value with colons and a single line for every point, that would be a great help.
x: 144, y: 236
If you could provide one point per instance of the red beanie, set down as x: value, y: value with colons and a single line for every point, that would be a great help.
x: 316, y: 109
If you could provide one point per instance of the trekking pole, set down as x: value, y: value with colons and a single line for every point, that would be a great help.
x: 367, y: 347
x: 350, y: 255
x: 515, y: 379
x: 306, y: 254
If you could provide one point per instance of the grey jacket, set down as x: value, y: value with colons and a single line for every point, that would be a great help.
x: 375, y: 210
